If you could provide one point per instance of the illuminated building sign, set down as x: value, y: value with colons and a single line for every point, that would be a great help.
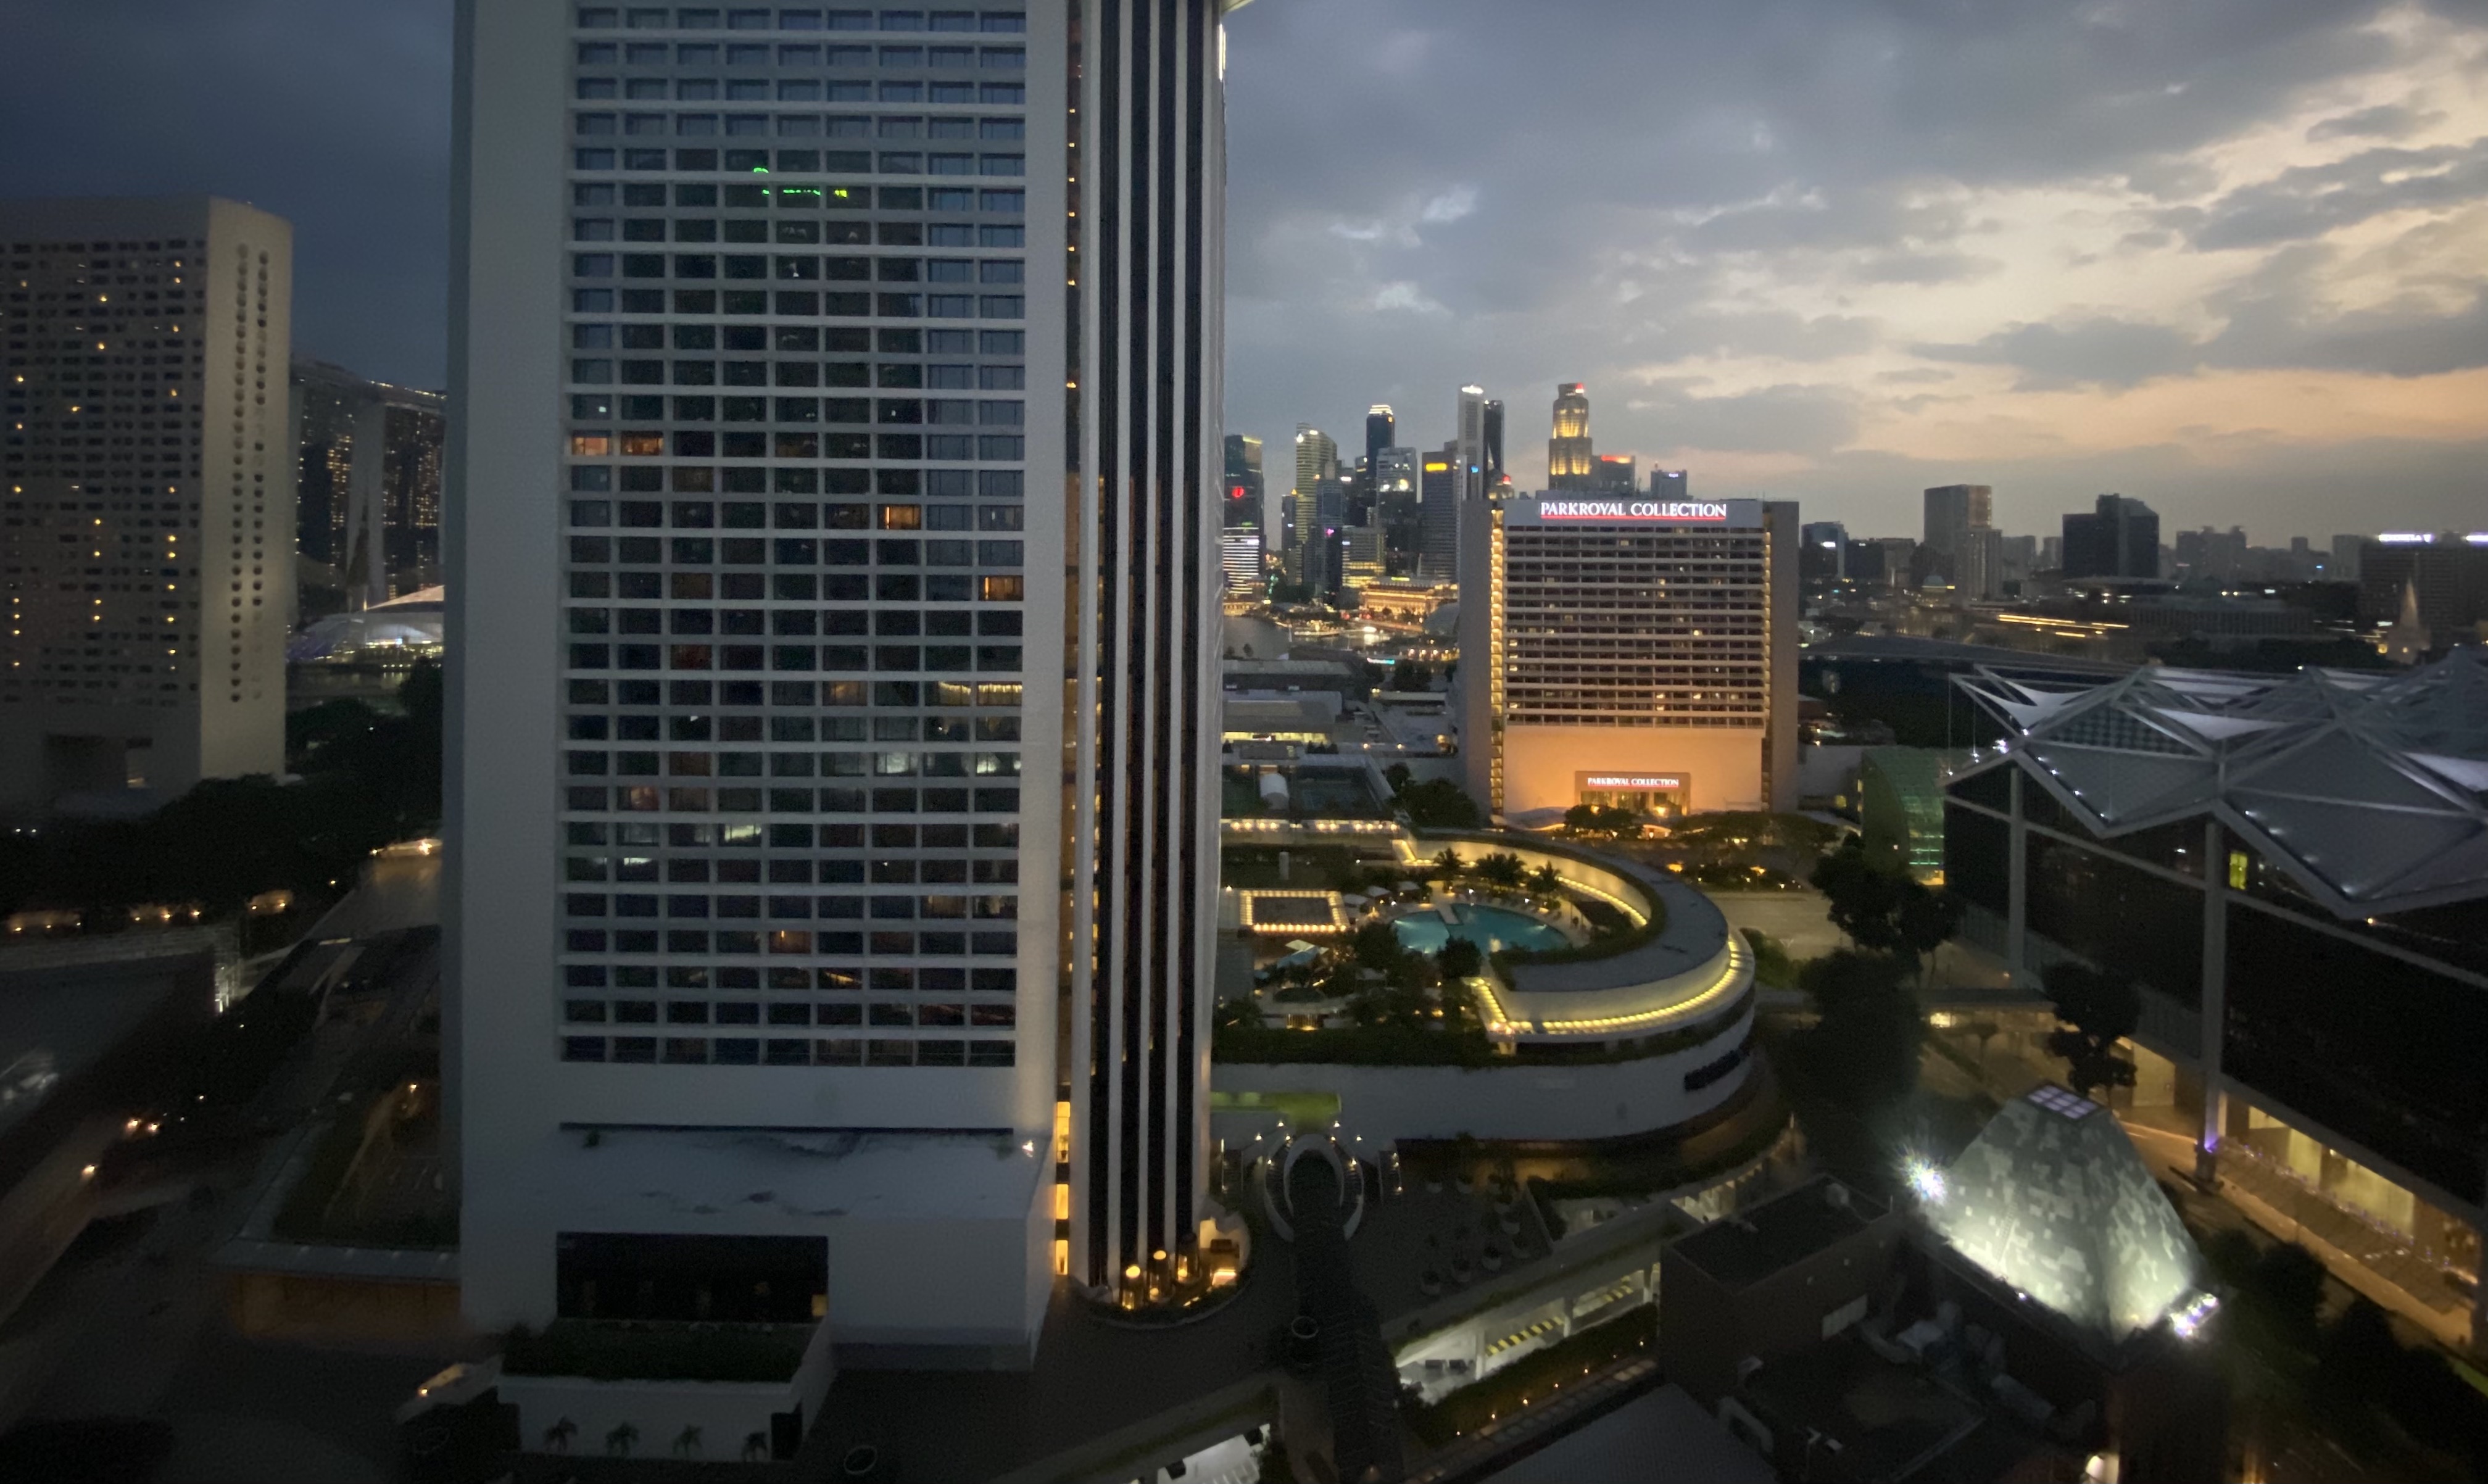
x: 2406, y: 539
x: 1672, y: 782
x: 1741, y: 515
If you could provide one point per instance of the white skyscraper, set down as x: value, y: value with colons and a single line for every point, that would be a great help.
x: 145, y: 494
x: 783, y: 903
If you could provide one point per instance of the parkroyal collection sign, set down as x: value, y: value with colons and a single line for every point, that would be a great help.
x: 1742, y: 514
x: 1672, y: 782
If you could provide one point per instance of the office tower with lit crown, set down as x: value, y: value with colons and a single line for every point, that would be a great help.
x: 367, y: 481
x: 788, y: 529
x: 1952, y: 512
x: 1568, y: 452
x: 1438, y: 515
x: 1615, y: 474
x: 146, y: 495
x: 1628, y: 654
x: 1490, y: 420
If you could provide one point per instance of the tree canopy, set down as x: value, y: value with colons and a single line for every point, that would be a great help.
x: 2097, y: 1009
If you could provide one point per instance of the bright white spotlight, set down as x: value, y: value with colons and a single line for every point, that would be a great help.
x: 1925, y: 1179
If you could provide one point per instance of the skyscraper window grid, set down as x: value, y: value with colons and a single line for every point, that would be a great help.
x: 144, y: 476
x: 855, y: 878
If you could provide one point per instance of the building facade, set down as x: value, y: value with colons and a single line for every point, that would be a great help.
x: 2118, y: 538
x: 146, y: 495
x: 1246, y: 506
x: 1438, y: 515
x: 1628, y: 654
x: 739, y: 816
x: 1316, y: 465
x: 1952, y: 512
x: 367, y: 482
x: 2290, y: 869
x: 2447, y: 570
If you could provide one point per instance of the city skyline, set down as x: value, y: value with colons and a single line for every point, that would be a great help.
x: 2248, y: 284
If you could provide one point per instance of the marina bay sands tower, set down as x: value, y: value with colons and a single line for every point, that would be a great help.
x: 833, y: 528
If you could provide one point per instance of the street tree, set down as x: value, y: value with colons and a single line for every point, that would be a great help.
x: 2096, y: 1009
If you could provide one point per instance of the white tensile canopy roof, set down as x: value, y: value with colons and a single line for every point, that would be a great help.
x: 2371, y: 789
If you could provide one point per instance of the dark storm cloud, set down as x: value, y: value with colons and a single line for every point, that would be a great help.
x: 333, y: 114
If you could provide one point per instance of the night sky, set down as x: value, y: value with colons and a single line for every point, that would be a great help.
x: 2225, y: 255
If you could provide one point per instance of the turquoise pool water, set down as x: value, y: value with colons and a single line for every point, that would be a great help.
x: 1488, y: 927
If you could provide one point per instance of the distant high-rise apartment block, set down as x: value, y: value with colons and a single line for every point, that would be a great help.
x: 2119, y: 539
x: 1952, y: 512
x: 1978, y: 564
x: 1567, y: 450
x: 1244, y: 506
x: 367, y: 490
x: 831, y: 771
x: 145, y: 494
x: 1628, y: 654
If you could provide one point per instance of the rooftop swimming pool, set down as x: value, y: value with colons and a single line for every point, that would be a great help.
x: 1491, y: 928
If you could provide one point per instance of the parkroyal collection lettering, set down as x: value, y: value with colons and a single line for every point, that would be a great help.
x: 1705, y: 510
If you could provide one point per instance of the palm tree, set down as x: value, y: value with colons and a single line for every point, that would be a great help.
x: 1500, y: 869
x: 622, y: 1439
x: 755, y: 1448
x: 1544, y: 880
x: 557, y: 1438
x: 687, y: 1442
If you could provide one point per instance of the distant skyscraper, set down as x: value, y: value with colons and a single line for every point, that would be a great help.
x: 2344, y: 566
x: 148, y: 538
x: 1244, y: 506
x: 1671, y: 483
x: 367, y: 492
x: 2119, y: 539
x: 1615, y: 474
x: 1380, y: 432
x: 1395, y: 496
x: 895, y: 990
x: 1568, y: 452
x: 1825, y: 551
x: 1493, y: 440
x: 1316, y: 465
x: 1952, y: 512
x: 1438, y: 504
